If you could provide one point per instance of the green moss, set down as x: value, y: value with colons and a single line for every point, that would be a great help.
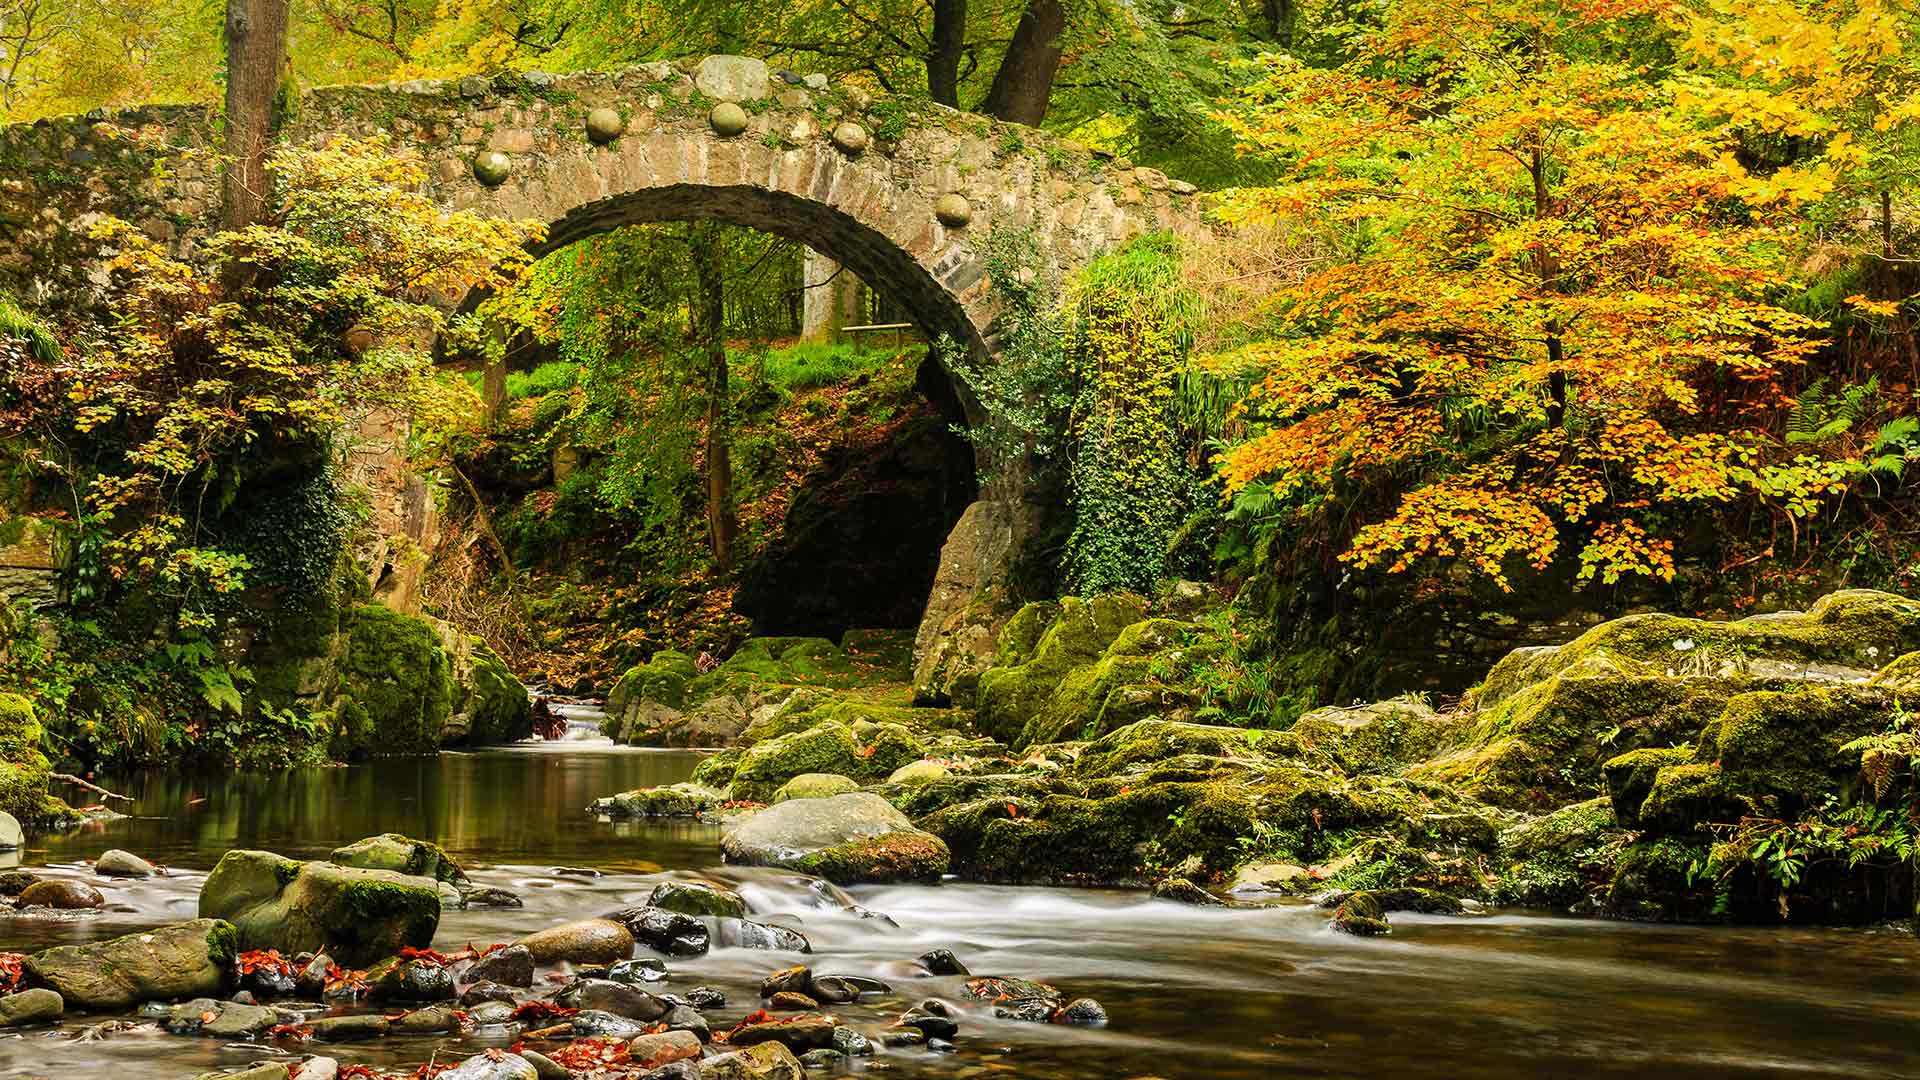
x: 1035, y: 696
x: 1788, y: 743
x: 396, y: 685
x: 1561, y: 860
x: 1630, y: 777
x: 23, y: 768
x: 815, y: 786
x: 223, y: 944
x: 899, y: 856
x: 717, y: 770
x: 1683, y: 797
x: 1654, y: 880
x: 823, y: 748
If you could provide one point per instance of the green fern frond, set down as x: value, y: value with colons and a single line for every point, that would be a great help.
x: 15, y: 322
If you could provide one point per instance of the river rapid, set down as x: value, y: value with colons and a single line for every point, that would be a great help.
x: 1192, y: 992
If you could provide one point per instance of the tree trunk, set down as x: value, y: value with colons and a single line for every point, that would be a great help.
x: 256, y: 59
x: 948, y: 47
x: 1279, y: 14
x: 710, y: 309
x: 833, y: 296
x: 1023, y: 86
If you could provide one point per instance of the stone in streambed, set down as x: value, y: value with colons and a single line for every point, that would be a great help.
x: 357, y: 915
x: 646, y: 969
x: 64, y: 895
x: 511, y: 966
x: 548, y: 1068
x: 1082, y: 1011
x: 852, y: 838
x: 792, y: 980
x: 118, y: 863
x: 317, y: 1068
x: 184, y: 960
x: 745, y: 934
x: 1361, y: 915
x: 488, y: 1067
x: 349, y: 1028
x: 788, y: 1001
x: 808, y: 1031
x: 654, y: 1051
x: 401, y: 855
x: 943, y: 962
x: 15, y: 882
x: 664, y: 931
x: 410, y: 980
x: 267, y: 1071
x: 616, y: 998
x: 815, y: 785
x: 30, y: 1007
x: 431, y: 1019
x: 698, y: 898
x: 588, y: 941
x: 482, y: 992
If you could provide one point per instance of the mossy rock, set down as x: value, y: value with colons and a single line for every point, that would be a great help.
x: 663, y: 679
x: 1789, y: 744
x: 1902, y: 675
x: 1011, y: 697
x: 1654, y: 880
x: 848, y: 839
x: 1562, y: 859
x: 396, y: 685
x: 185, y: 960
x: 716, y: 771
x: 357, y: 916
x: 491, y: 697
x: 1152, y: 742
x: 1630, y: 778
x: 682, y: 800
x: 24, y: 770
x: 1683, y: 797
x: 815, y: 786
x: 1382, y: 737
x: 1857, y: 630
x: 765, y: 766
x: 401, y: 855
x: 1542, y: 747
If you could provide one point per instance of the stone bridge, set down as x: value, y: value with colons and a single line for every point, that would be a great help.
x: 898, y: 190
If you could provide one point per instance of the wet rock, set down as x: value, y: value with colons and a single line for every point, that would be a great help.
x: 765, y: 1061
x: 851, y: 838
x: 489, y: 898
x: 359, y: 916
x: 706, y: 997
x: 183, y: 960
x: 317, y: 1068
x: 851, y: 1043
x: 1085, y: 1011
x: 15, y: 882
x: 894, y: 1038
x: 1361, y: 915
x: 668, y: 932
x: 679, y: 800
x: 698, y: 898
x: 548, y: 1068
x: 1269, y: 877
x: 237, y: 1021
x: 349, y: 1028
x: 742, y: 934
x: 616, y: 998
x: 943, y: 962
x: 411, y: 980
x: 793, y: 980
x: 492, y: 1013
x: 687, y: 1018
x: 1028, y: 1010
x: 932, y: 1020
x: 269, y: 981
x: 312, y: 979
x: 593, y: 1022
x: 30, y: 1007
x: 430, y: 1019
x: 801, y: 1033
x: 482, y: 992
x: 117, y: 863
x: 1004, y: 988
x: 493, y: 1065
x: 65, y: 895
x: 679, y: 1070
x: 918, y: 772
x: 511, y: 966
x: 633, y: 972
x: 823, y: 1059
x: 1183, y: 891
x: 401, y: 855
x: 588, y: 941
x: 653, y: 1051
x: 788, y: 1001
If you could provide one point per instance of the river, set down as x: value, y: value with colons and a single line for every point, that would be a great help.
x: 1192, y: 993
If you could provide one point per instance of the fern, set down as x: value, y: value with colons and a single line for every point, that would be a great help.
x: 16, y: 323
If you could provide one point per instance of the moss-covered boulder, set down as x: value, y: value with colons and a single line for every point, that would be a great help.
x: 682, y: 800
x: 852, y: 838
x: 490, y: 706
x: 1381, y: 737
x: 1846, y: 635
x: 186, y: 960
x: 815, y: 786
x: 396, y: 686
x: 401, y: 855
x: 1630, y: 778
x: 23, y: 767
x: 356, y: 915
x: 1560, y: 860
x: 662, y: 679
x: 869, y: 753
x: 1025, y: 693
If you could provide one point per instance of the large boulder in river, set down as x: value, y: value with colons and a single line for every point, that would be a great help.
x: 408, y: 685
x: 358, y: 916
x: 185, y: 960
x: 586, y: 941
x: 852, y: 838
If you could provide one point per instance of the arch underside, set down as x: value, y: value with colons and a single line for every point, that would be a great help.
x: 871, y: 254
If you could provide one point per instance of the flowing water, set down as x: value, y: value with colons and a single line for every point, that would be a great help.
x: 1201, y: 993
